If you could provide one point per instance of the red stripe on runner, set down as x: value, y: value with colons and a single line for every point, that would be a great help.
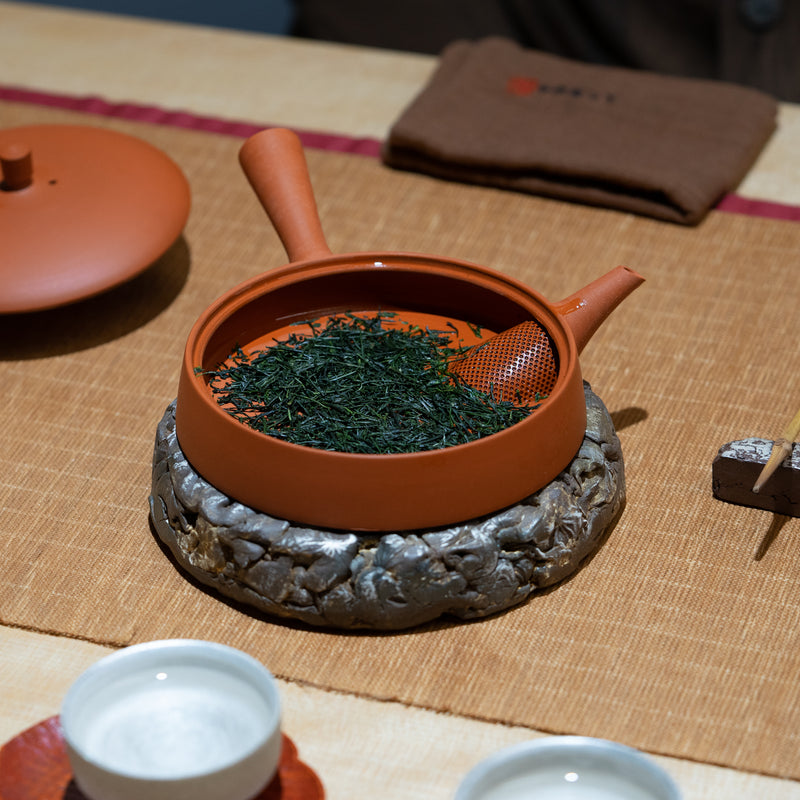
x: 737, y: 204
x: 183, y: 119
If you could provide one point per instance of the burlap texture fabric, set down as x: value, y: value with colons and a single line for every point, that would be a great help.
x: 680, y: 636
x: 497, y: 114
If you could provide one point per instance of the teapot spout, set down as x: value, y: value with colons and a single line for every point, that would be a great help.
x: 586, y: 310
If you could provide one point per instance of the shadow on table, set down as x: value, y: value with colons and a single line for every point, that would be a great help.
x: 775, y: 526
x: 625, y: 417
x: 98, y: 319
x: 72, y: 792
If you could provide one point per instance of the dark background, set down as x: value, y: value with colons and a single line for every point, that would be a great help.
x: 750, y: 42
x: 267, y: 16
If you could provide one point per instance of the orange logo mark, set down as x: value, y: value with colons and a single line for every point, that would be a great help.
x: 522, y: 87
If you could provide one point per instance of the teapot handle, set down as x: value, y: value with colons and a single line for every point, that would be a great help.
x: 275, y: 164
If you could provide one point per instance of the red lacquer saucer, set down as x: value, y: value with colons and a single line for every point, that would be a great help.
x: 34, y: 766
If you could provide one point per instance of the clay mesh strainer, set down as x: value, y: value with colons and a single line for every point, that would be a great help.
x: 519, y: 365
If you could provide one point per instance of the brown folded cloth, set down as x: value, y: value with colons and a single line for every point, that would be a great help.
x: 497, y: 114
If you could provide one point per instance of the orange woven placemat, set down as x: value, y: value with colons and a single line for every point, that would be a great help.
x: 680, y: 635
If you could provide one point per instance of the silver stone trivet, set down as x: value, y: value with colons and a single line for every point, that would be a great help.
x: 395, y: 579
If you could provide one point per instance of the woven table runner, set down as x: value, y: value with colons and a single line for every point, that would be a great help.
x: 679, y: 637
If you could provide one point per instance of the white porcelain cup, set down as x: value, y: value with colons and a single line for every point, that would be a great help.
x: 568, y: 768
x: 178, y: 719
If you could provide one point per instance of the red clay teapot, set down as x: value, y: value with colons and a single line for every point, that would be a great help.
x: 377, y: 492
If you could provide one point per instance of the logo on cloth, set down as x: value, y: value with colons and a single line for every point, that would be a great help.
x: 521, y: 86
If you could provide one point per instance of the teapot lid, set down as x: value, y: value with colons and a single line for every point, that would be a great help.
x: 82, y: 209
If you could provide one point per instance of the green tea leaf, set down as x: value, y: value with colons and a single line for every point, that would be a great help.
x: 355, y: 385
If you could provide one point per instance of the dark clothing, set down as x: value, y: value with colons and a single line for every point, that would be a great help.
x: 751, y: 42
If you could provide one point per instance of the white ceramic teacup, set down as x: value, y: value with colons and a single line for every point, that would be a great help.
x: 568, y: 768
x: 173, y: 719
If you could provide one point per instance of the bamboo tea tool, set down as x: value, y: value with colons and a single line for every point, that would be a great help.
x: 781, y: 450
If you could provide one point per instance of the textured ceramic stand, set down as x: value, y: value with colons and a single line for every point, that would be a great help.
x: 395, y: 579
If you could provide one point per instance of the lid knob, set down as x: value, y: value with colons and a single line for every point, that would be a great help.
x: 17, y: 167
